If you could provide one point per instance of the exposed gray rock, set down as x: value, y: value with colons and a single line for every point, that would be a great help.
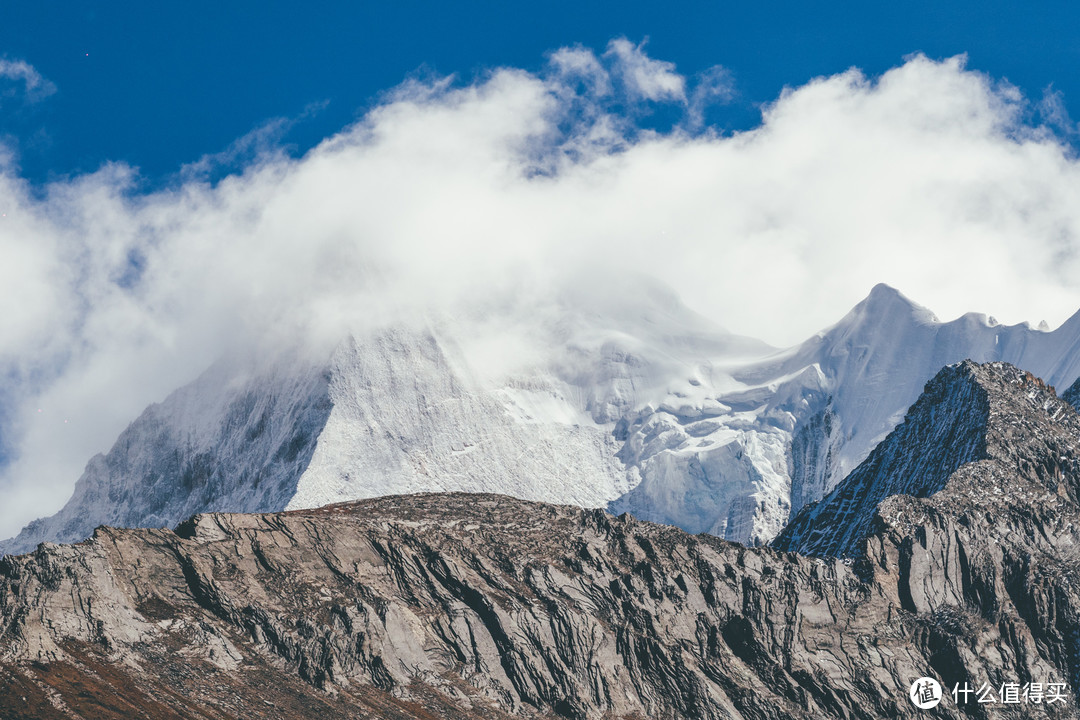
x: 1072, y: 394
x: 455, y: 606
x: 943, y: 430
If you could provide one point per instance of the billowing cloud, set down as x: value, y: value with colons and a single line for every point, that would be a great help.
x: 932, y: 178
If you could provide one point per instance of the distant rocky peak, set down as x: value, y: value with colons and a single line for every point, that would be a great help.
x: 1020, y: 401
x: 967, y: 413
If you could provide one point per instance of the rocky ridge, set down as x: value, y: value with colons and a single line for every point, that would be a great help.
x: 958, y: 421
x: 455, y: 606
x: 946, y: 428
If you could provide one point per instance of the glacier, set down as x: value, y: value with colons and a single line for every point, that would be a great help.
x: 626, y: 400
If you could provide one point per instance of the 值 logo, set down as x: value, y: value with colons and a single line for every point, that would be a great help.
x: 925, y: 693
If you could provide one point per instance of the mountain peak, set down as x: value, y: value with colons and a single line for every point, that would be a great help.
x: 884, y: 300
x: 968, y: 413
x: 885, y: 290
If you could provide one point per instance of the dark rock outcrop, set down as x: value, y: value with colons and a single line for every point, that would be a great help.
x: 944, y: 429
x: 474, y: 606
x: 1072, y: 394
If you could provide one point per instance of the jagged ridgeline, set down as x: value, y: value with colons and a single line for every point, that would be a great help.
x: 484, y: 606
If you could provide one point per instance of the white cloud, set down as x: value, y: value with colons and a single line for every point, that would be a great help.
x: 1054, y: 113
x: 926, y: 178
x: 645, y: 78
x: 715, y: 86
x: 579, y: 63
x: 34, y: 86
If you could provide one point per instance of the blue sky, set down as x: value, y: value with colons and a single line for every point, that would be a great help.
x: 158, y: 85
x: 178, y: 181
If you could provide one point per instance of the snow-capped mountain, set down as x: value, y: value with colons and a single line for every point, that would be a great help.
x: 626, y: 400
x: 851, y: 384
x: 524, y: 401
x: 800, y: 420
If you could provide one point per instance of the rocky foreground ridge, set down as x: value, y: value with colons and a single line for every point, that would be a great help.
x: 483, y: 606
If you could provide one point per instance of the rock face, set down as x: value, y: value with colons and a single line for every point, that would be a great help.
x: 1072, y: 394
x: 944, y: 429
x: 455, y: 606
x: 964, y: 417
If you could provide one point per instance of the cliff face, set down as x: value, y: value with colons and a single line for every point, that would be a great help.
x: 480, y: 604
x: 968, y: 413
x: 466, y: 606
x: 943, y: 430
x: 218, y: 443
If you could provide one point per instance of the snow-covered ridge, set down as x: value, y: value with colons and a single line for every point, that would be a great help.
x: 874, y: 363
x: 626, y: 400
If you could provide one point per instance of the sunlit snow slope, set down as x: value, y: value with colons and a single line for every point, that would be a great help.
x: 628, y: 401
